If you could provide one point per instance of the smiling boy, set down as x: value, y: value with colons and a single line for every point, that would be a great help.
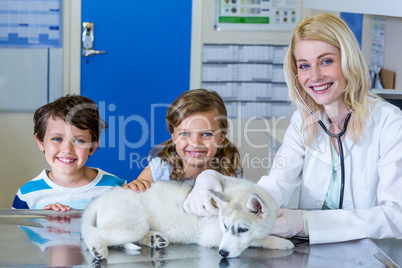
x: 67, y: 131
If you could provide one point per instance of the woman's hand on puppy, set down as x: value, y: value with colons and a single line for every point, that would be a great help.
x: 290, y: 222
x: 198, y: 202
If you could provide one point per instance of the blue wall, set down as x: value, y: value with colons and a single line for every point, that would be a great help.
x: 355, y: 23
x: 147, y: 65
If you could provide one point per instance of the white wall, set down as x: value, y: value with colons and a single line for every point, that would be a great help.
x: 253, y: 138
x: 203, y: 32
x: 21, y: 160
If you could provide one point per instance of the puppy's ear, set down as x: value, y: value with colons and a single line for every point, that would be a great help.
x: 256, y: 205
x: 220, y: 198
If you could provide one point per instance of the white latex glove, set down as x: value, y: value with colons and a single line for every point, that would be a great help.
x: 289, y: 222
x: 198, y: 201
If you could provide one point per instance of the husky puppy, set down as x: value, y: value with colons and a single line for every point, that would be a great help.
x: 156, y: 218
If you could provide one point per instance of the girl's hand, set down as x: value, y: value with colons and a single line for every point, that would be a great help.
x: 138, y: 185
x: 57, y: 207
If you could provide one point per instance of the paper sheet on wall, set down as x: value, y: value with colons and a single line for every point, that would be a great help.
x: 377, y: 50
x: 257, y: 15
x: 378, y: 41
x: 30, y: 23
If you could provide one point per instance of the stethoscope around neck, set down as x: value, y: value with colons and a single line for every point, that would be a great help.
x: 338, y: 139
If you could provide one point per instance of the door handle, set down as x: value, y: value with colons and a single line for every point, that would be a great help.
x: 88, y: 38
x: 91, y: 52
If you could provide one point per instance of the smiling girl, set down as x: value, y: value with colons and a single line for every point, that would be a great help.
x: 197, y: 122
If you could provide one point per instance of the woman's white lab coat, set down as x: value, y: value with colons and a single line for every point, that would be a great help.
x: 373, y: 184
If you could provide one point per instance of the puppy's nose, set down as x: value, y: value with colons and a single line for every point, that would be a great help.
x: 223, y: 253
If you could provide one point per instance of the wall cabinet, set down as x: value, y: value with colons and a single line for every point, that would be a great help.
x: 249, y: 78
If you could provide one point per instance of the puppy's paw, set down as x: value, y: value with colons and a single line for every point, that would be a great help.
x: 280, y: 243
x: 285, y: 244
x: 99, y: 250
x: 154, y: 240
x: 274, y: 242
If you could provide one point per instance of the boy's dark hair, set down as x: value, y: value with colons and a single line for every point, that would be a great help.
x: 75, y: 110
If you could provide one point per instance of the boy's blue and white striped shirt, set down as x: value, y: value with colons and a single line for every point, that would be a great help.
x: 42, y: 191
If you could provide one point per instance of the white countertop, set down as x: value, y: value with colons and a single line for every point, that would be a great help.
x: 38, y: 238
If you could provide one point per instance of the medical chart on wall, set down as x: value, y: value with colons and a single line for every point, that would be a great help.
x: 378, y: 31
x: 257, y: 15
x: 30, y: 23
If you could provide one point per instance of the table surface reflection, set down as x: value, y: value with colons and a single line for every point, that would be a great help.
x: 38, y: 238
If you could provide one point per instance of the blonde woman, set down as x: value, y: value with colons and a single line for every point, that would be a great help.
x: 325, y: 66
x: 350, y: 181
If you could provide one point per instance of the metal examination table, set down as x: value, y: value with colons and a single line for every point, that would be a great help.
x: 38, y: 238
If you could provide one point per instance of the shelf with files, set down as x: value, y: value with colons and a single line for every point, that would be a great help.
x: 259, y: 109
x: 391, y: 94
x: 249, y: 78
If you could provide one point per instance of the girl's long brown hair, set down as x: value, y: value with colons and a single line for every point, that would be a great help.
x: 227, y: 159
